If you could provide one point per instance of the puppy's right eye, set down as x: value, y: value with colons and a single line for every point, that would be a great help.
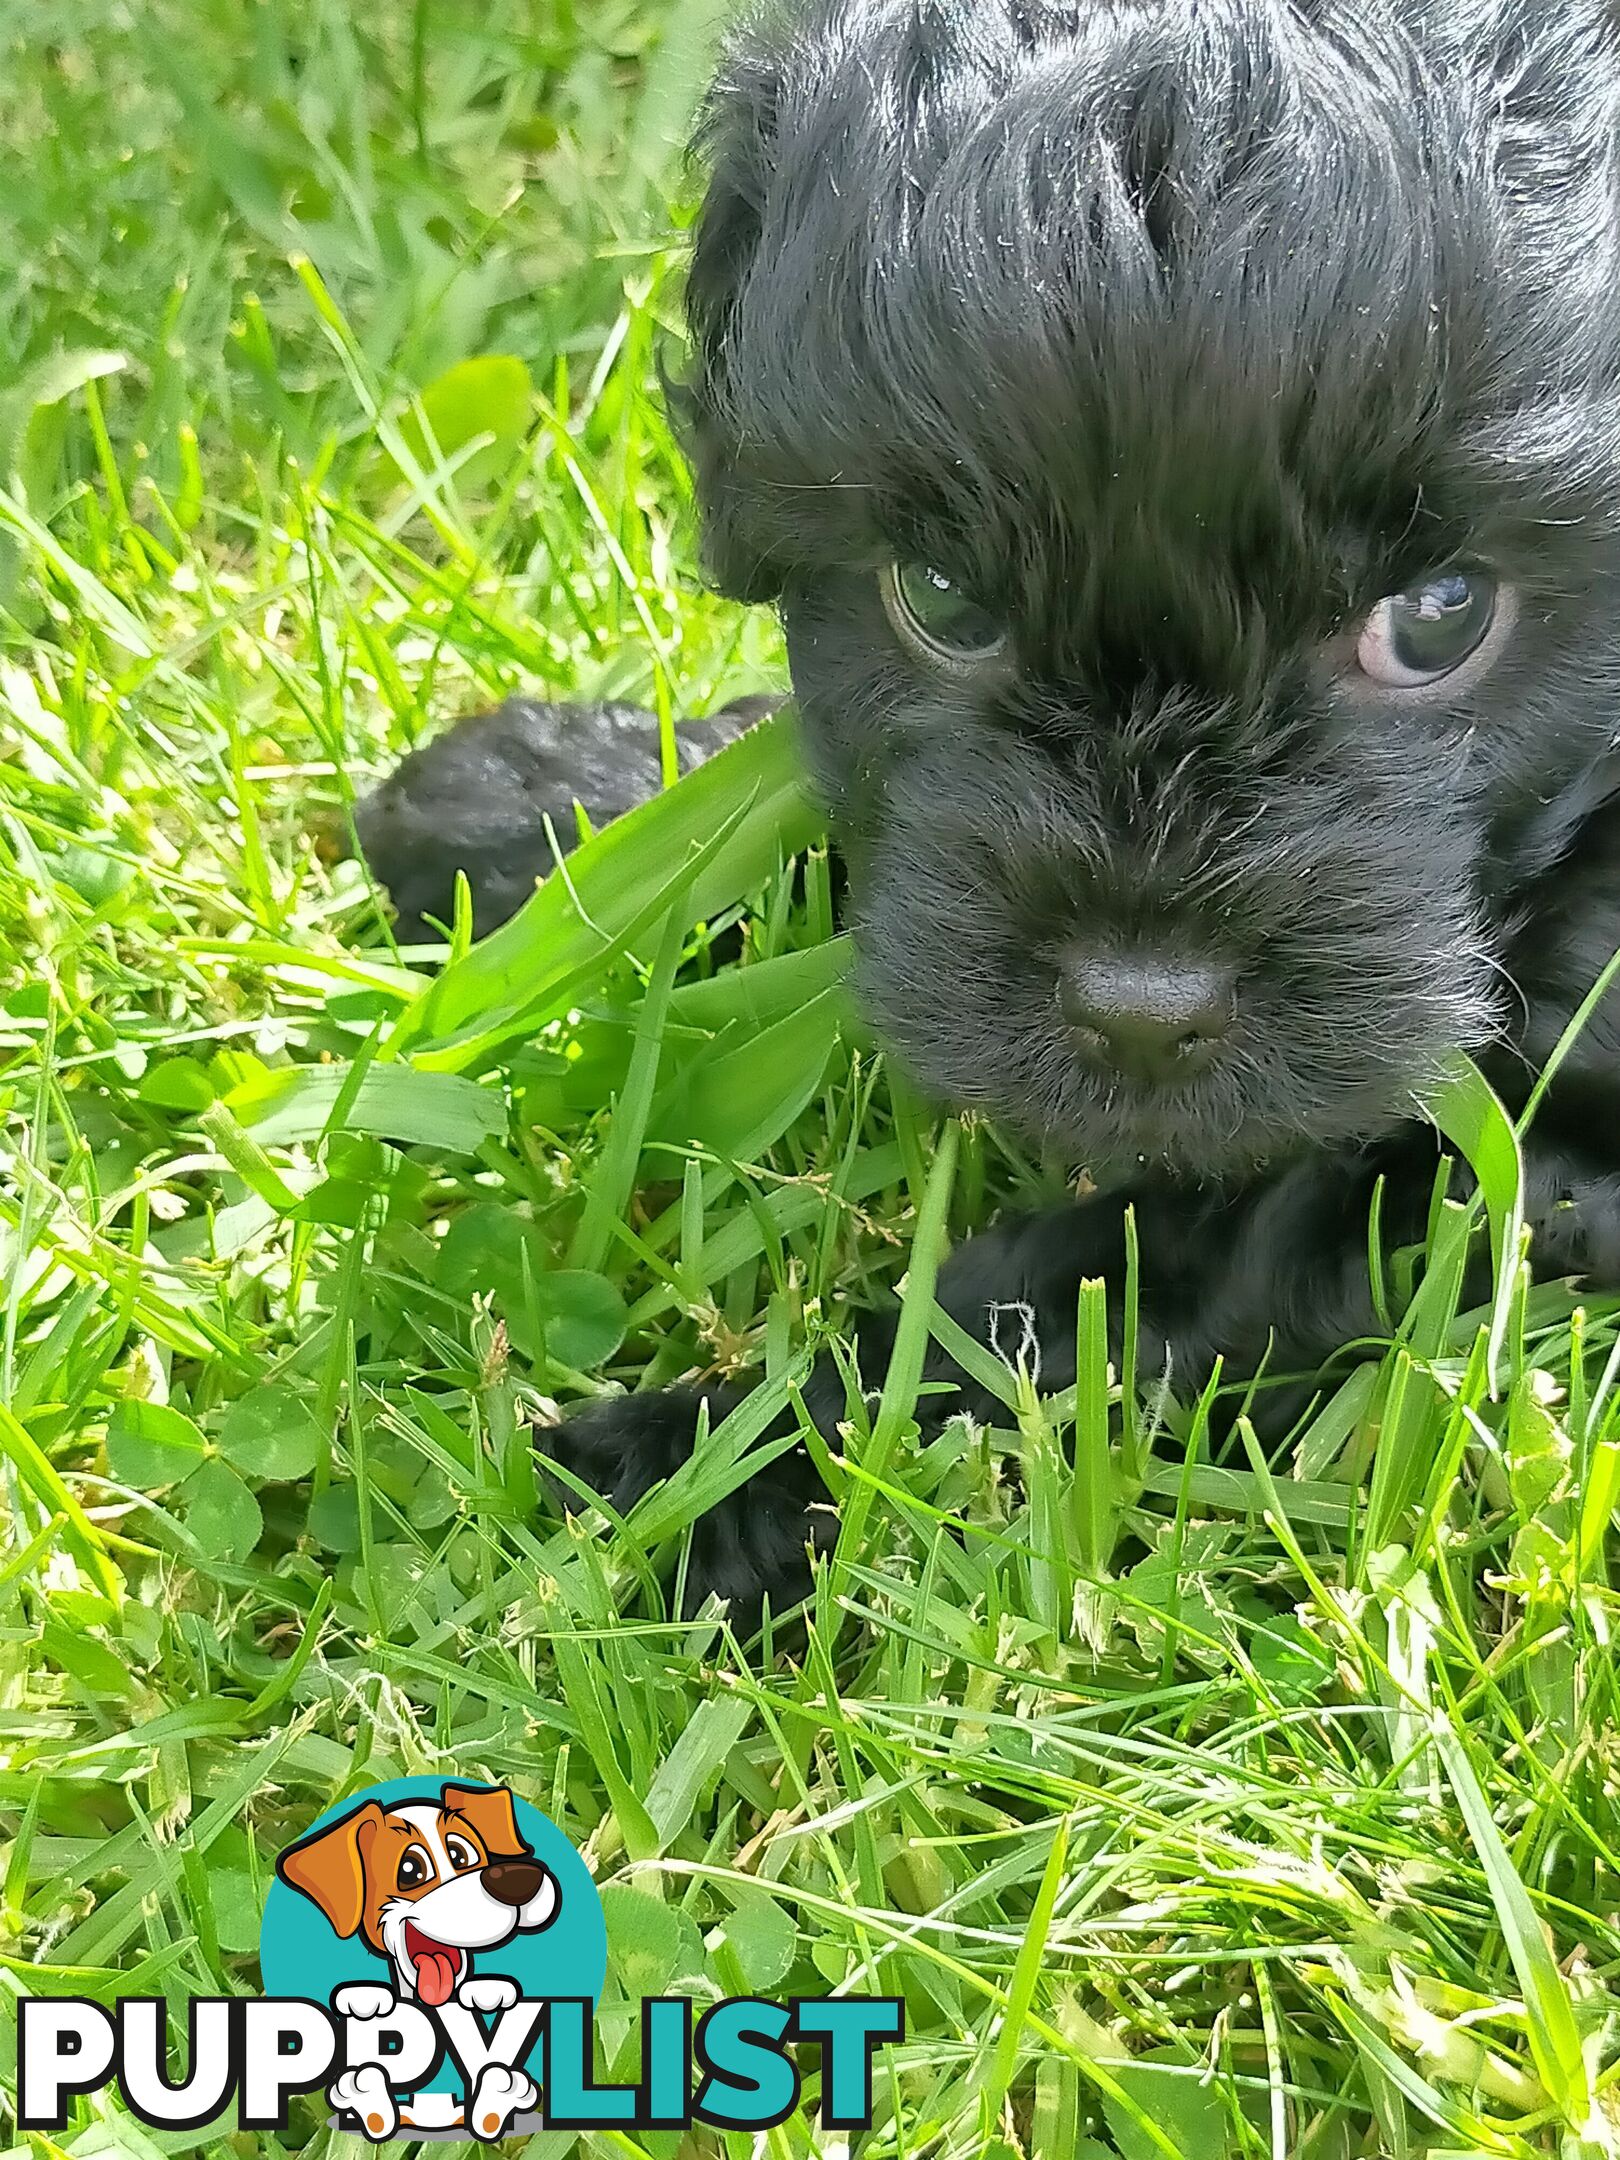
x: 1417, y: 638
x: 415, y: 1868
x: 937, y: 619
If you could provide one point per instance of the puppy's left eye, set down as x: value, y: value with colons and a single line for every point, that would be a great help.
x: 461, y: 1854
x: 1422, y: 635
x: 937, y: 619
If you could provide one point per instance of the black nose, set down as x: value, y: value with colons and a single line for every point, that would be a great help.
x: 1146, y: 1014
x: 514, y: 1882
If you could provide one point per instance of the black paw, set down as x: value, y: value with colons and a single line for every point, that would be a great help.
x: 753, y: 1546
x: 476, y: 799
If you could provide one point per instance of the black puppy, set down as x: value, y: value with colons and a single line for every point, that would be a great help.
x: 1183, y: 440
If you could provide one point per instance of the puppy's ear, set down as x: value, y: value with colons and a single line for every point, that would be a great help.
x: 329, y: 1867
x: 491, y: 1814
x: 736, y: 139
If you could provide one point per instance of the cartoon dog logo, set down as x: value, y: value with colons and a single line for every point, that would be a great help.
x: 426, y: 1887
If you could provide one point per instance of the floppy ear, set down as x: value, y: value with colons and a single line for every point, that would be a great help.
x: 736, y: 138
x: 329, y: 1868
x: 491, y: 1814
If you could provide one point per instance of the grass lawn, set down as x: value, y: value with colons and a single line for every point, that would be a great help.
x: 1252, y: 1807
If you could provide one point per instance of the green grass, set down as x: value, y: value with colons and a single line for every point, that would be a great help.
x: 1246, y: 1808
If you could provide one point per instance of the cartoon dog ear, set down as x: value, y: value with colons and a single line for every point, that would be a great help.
x: 490, y: 1811
x: 329, y: 1867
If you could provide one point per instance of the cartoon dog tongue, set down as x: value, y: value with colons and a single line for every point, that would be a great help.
x: 436, y: 1966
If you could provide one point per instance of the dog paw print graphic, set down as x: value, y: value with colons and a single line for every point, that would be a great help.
x: 436, y: 1918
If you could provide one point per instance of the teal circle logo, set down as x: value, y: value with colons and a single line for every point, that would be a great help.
x: 435, y: 1890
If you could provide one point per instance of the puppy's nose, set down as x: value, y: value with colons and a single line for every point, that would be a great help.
x: 1148, y: 1015
x: 513, y: 1882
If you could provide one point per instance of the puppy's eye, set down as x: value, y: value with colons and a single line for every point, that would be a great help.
x: 461, y: 1854
x: 1425, y: 634
x: 937, y: 619
x: 415, y: 1868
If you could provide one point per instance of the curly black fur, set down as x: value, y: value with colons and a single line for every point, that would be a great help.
x: 480, y: 799
x: 1179, y: 333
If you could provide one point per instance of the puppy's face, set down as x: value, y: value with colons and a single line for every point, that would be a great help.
x: 1183, y: 442
x: 425, y: 1884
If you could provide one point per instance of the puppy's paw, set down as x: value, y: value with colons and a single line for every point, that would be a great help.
x: 494, y: 797
x: 753, y: 1546
x: 491, y: 1992
x: 364, y: 2093
x: 624, y: 1445
x: 498, y: 2097
x: 363, y: 2000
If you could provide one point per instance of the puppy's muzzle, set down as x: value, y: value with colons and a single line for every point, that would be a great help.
x: 1149, y: 1016
x: 514, y: 1882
